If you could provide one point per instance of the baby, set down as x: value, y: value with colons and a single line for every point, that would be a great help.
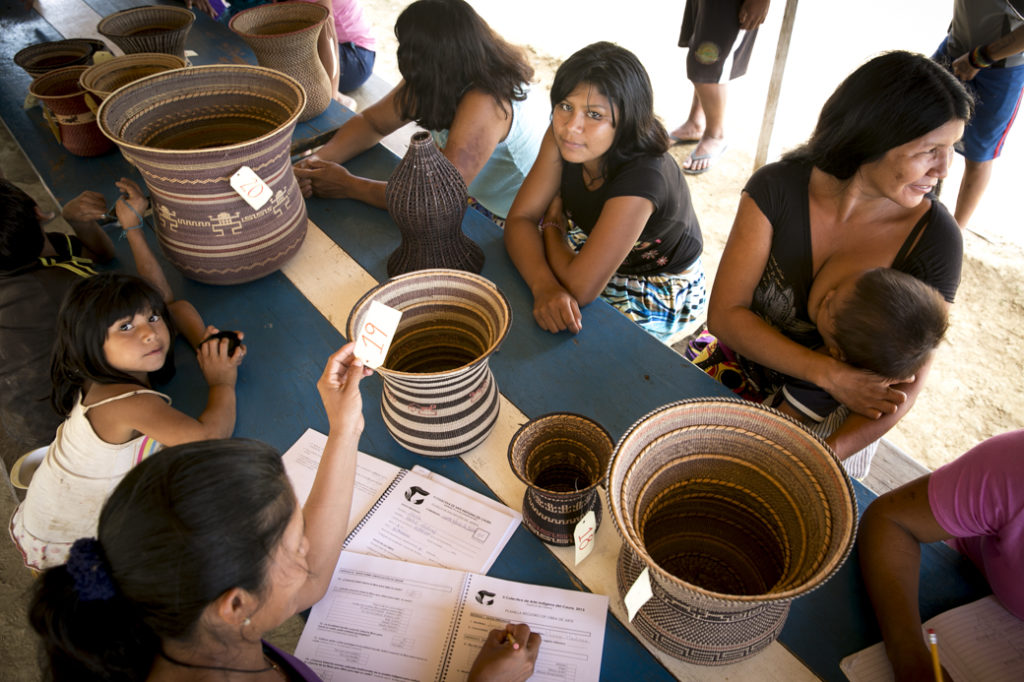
x: 882, y: 320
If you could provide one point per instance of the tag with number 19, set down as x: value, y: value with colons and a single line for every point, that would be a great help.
x: 374, y: 336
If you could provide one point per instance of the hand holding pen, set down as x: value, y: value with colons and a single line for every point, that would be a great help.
x: 508, y: 655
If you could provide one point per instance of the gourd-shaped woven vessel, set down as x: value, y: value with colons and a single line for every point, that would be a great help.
x: 72, y: 121
x: 58, y: 54
x: 736, y: 510
x: 440, y: 398
x: 284, y: 37
x: 188, y: 131
x: 156, y: 28
x: 426, y: 197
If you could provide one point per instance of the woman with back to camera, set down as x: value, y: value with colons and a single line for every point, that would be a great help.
x: 202, y: 549
x: 604, y: 165
x: 858, y: 195
x: 465, y: 84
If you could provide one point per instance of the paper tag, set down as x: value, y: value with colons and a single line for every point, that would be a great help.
x: 586, y: 536
x: 101, y: 56
x: 373, y: 339
x: 250, y: 187
x: 638, y: 594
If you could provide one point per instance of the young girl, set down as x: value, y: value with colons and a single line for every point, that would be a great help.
x: 604, y: 179
x: 113, y: 339
x: 465, y: 84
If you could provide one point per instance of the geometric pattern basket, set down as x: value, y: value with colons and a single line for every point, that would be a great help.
x: 148, y: 29
x: 736, y: 510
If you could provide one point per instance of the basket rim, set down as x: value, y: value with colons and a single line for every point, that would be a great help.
x: 88, y: 79
x: 819, y: 577
x: 531, y: 422
x: 195, y: 72
x: 320, y: 10
x: 57, y: 74
x: 431, y: 272
x: 145, y: 9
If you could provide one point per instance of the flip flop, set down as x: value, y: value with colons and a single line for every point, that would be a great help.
x: 710, y: 157
x: 683, y: 140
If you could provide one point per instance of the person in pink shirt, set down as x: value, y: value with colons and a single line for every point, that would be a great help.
x: 975, y: 504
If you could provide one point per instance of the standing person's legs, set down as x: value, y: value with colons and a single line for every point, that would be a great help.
x: 712, y: 98
x: 972, y: 187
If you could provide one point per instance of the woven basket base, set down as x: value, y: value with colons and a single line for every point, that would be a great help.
x: 553, y: 528
x: 695, y: 634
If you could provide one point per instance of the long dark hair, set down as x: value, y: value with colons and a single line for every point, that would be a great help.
x: 890, y: 100
x: 446, y: 49
x: 21, y: 237
x: 183, y: 527
x: 618, y: 75
x: 89, y: 308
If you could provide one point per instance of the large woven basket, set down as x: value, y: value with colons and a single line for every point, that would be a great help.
x: 188, y: 131
x: 284, y: 37
x: 66, y: 111
x: 440, y: 398
x: 102, y: 79
x: 58, y: 54
x: 157, y: 28
x: 736, y: 510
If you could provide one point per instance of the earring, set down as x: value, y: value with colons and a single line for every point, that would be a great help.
x: 247, y: 622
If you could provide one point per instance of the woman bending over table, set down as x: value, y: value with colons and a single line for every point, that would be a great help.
x: 858, y: 195
x: 613, y: 210
x: 465, y: 84
x: 202, y: 549
x: 976, y: 503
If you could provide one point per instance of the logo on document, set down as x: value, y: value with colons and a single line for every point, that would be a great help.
x: 484, y: 597
x: 416, y: 494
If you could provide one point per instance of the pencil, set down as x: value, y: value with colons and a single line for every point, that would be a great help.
x: 933, y: 644
x: 509, y: 639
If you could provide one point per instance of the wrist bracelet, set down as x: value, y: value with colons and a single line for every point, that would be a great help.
x: 549, y: 223
x: 142, y: 221
x: 979, y: 57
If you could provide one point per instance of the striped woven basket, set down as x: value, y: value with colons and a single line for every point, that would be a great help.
x: 440, y: 398
x: 156, y: 28
x: 66, y: 111
x: 736, y: 510
x: 188, y: 131
x: 102, y: 79
x: 45, y: 57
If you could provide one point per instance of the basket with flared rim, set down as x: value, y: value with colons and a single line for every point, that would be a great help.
x: 731, y: 504
x: 102, y: 79
x: 156, y: 28
x: 278, y: 26
x: 57, y: 54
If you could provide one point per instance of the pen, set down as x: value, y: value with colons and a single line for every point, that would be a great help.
x: 509, y: 639
x: 933, y: 644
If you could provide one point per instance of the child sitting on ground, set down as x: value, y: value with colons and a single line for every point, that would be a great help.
x: 881, y: 320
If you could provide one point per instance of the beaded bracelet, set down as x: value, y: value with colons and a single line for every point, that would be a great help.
x: 549, y: 223
x: 979, y: 57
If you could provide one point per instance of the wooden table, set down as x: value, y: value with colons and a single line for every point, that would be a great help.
x: 612, y: 371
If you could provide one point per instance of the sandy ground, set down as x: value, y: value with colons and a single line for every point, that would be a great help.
x: 960, y: 405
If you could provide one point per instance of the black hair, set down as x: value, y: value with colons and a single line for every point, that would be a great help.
x: 21, y: 238
x: 618, y: 75
x: 182, y: 528
x: 90, y: 306
x: 890, y: 323
x: 446, y: 49
x: 889, y: 101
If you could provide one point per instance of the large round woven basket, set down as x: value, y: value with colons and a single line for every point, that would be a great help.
x: 188, y: 131
x: 440, y: 398
x: 66, y: 111
x: 562, y: 458
x: 156, y: 28
x: 735, y: 509
x: 102, y: 79
x: 58, y: 54
x: 284, y: 37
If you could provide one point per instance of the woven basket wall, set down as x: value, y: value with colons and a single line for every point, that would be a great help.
x: 188, y: 131
x: 440, y: 398
x: 102, y: 79
x: 72, y: 122
x: 426, y: 197
x: 284, y: 37
x: 148, y: 29
x: 58, y: 54
x: 562, y: 458
x: 736, y: 509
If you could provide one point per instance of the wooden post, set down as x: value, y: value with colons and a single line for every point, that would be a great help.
x: 775, y: 85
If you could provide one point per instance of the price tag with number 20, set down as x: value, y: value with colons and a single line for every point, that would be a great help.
x: 373, y: 338
x: 251, y: 187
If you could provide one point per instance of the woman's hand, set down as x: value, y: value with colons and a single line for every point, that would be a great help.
x: 865, y: 393
x: 131, y: 197
x: 507, y: 655
x: 218, y: 367
x: 339, y: 390
x: 323, y: 179
x: 556, y: 310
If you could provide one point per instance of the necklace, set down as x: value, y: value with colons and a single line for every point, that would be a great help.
x: 589, y: 179
x: 183, y: 664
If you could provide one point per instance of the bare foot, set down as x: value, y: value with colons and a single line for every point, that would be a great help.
x: 705, y: 154
x: 688, y: 132
x: 345, y: 100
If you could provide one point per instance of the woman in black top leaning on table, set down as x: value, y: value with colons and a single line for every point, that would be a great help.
x: 202, y: 549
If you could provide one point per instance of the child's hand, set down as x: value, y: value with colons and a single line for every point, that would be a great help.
x: 339, y: 390
x: 219, y: 368
x: 131, y: 197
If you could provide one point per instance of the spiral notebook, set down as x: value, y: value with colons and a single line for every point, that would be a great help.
x: 392, y: 620
x: 978, y: 641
